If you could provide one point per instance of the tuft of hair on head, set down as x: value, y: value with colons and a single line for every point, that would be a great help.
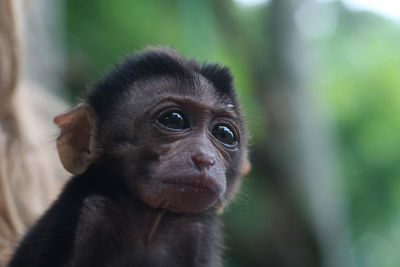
x: 220, y: 77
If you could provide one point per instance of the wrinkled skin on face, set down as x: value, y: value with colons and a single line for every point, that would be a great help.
x: 190, y: 172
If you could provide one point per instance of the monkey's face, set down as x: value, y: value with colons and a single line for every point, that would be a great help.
x: 185, y: 151
x: 194, y: 147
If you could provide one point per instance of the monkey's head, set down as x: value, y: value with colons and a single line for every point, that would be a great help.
x: 170, y: 130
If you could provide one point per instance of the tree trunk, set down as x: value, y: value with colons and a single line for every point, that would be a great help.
x: 300, y: 151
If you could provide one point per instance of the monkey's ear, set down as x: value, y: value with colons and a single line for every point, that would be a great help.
x: 76, y: 141
x: 245, y: 168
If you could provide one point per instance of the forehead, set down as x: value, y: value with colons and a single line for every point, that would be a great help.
x: 196, y: 91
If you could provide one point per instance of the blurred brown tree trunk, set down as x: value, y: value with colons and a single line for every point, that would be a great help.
x: 304, y: 186
x: 30, y: 172
x: 299, y: 146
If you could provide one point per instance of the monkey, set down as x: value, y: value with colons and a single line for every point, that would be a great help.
x: 157, y: 148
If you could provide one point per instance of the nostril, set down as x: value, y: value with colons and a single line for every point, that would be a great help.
x: 203, y: 160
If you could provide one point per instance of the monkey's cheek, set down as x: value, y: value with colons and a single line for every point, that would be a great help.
x: 181, y: 199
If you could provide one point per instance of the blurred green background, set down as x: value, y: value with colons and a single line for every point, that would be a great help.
x: 319, y: 84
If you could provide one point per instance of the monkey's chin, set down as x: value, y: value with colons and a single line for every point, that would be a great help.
x: 181, y: 198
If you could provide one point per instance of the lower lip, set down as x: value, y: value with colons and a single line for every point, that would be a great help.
x: 189, y: 198
x: 183, y: 196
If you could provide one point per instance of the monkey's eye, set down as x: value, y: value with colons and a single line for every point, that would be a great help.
x: 173, y: 120
x: 224, y: 134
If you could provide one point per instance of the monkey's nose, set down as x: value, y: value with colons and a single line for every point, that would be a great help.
x: 203, y: 160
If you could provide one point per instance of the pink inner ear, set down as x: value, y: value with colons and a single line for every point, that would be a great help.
x: 75, y: 141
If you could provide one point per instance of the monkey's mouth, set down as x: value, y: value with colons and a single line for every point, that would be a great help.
x: 189, y: 196
x: 184, y: 194
x: 196, y: 187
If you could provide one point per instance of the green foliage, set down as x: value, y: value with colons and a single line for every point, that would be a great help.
x: 360, y: 78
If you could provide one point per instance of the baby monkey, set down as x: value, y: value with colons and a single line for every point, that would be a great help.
x: 156, y: 149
